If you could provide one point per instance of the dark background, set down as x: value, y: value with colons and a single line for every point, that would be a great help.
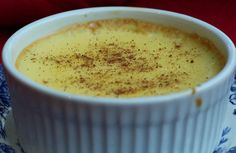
x: 16, y: 13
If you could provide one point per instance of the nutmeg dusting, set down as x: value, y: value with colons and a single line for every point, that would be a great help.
x: 120, y: 58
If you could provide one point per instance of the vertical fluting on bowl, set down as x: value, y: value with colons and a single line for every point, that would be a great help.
x: 98, y: 129
x: 85, y: 129
x: 52, y: 125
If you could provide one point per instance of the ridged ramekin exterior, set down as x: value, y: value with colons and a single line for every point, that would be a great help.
x: 47, y: 124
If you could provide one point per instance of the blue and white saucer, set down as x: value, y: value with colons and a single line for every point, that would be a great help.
x: 9, y: 142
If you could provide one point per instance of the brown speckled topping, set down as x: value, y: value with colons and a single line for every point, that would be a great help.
x: 120, y: 58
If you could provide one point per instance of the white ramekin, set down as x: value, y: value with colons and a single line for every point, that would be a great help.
x: 50, y: 121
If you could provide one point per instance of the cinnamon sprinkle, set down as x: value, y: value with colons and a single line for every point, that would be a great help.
x: 110, y: 66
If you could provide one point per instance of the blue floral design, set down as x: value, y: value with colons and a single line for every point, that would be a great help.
x: 232, y: 97
x: 4, y: 110
x: 232, y: 100
x: 4, y: 102
x: 220, y: 147
x: 6, y: 148
x: 223, y: 140
x: 4, y: 91
x: 234, y: 112
x: 232, y: 150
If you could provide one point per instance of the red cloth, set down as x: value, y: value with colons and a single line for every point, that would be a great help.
x: 16, y: 13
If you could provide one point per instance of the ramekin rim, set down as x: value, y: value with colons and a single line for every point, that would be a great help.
x: 228, y: 69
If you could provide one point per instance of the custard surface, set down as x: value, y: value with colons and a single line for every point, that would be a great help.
x: 120, y: 58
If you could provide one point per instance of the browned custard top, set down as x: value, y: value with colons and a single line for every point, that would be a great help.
x: 120, y: 58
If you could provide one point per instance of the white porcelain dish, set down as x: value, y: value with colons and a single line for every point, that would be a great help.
x: 49, y: 121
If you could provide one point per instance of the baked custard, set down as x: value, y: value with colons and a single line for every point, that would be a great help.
x: 120, y: 58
